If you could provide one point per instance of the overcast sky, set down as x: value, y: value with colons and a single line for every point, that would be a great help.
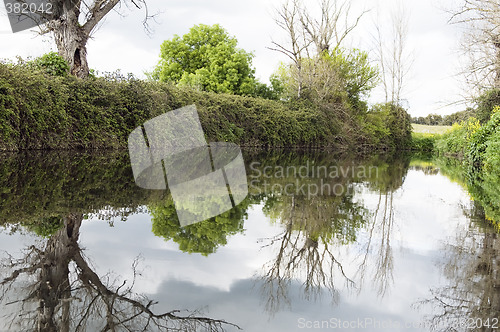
x: 121, y: 42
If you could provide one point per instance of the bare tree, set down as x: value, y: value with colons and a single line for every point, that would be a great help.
x: 72, y: 23
x: 393, y: 56
x: 289, y: 19
x: 481, y: 41
x: 64, y: 293
x: 303, y: 31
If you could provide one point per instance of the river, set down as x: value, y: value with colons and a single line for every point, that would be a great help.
x: 321, y: 242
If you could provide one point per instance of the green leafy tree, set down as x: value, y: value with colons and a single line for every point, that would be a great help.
x: 332, y: 76
x: 358, y: 75
x: 207, y: 58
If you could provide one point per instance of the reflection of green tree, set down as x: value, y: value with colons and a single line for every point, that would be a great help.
x: 314, y: 226
x: 202, y: 237
x: 391, y: 175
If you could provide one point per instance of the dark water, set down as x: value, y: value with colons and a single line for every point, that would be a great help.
x: 320, y: 243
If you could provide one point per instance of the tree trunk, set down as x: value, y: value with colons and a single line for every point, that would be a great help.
x: 54, y: 276
x: 496, y: 83
x: 71, y: 36
x: 71, y: 43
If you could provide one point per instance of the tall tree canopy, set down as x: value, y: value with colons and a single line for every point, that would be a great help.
x: 206, y: 58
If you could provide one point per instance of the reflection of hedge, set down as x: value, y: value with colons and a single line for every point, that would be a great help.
x: 38, y: 111
x: 40, y: 186
x: 484, y: 188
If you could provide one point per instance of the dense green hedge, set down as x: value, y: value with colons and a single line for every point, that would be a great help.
x: 39, y: 111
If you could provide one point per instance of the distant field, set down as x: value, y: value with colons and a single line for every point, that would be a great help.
x: 418, y: 128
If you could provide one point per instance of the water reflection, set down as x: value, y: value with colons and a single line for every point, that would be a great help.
x: 316, y: 226
x: 202, y: 237
x: 381, y: 227
x: 470, y: 299
x: 328, y: 241
x: 53, y: 288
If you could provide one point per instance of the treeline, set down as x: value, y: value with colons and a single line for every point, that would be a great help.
x: 484, y: 105
x: 443, y: 120
x: 42, y: 107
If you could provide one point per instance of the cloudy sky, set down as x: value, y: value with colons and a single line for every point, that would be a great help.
x: 121, y: 42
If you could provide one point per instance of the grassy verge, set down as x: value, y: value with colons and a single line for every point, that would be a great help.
x: 425, y: 129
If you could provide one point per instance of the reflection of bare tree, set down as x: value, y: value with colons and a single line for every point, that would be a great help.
x: 57, y: 290
x: 305, y: 247
x: 380, y: 229
x: 472, y: 296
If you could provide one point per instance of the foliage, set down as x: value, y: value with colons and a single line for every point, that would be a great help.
x: 480, y: 140
x: 273, y: 92
x: 358, y: 75
x: 479, y: 144
x: 486, y: 103
x: 390, y: 125
x: 46, y: 226
x: 202, y: 237
x: 341, y: 74
x: 62, y: 112
x: 423, y: 141
x: 456, y: 140
x: 445, y: 120
x: 206, y: 58
x: 53, y: 64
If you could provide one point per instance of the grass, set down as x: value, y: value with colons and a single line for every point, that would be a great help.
x: 426, y: 129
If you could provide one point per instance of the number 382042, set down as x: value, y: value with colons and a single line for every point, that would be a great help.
x: 28, y: 8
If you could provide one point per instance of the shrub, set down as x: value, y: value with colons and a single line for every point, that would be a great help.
x: 389, y: 125
x: 481, y: 139
x: 423, y: 142
x: 456, y: 141
x: 53, y: 64
x: 486, y: 103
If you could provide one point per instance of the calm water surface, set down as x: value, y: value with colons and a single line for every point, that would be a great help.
x: 320, y: 243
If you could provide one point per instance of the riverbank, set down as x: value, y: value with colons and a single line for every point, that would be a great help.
x: 39, y: 111
x: 469, y: 154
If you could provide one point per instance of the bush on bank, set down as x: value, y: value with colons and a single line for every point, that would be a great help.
x: 39, y: 110
x: 478, y: 145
